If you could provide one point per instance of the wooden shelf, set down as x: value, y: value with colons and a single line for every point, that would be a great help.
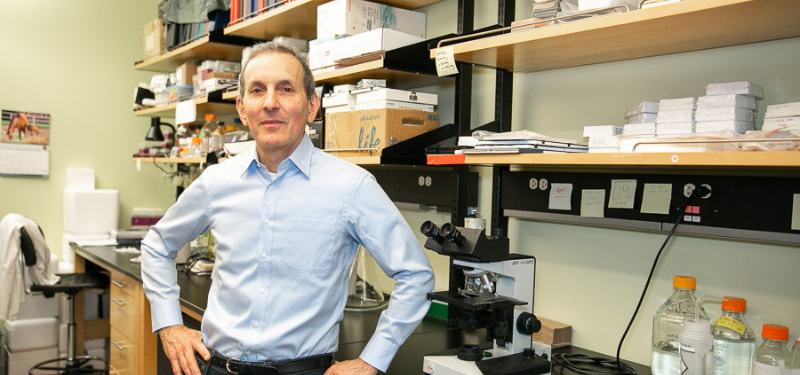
x: 673, y: 28
x: 297, y: 19
x: 764, y: 160
x: 201, y: 49
x: 377, y: 69
x: 203, y: 107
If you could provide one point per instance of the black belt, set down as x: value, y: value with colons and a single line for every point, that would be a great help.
x: 235, y: 366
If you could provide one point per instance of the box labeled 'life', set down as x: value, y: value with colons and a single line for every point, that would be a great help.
x: 365, y: 133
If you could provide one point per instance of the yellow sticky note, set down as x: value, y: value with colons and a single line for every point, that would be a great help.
x: 445, y: 61
x: 622, y: 194
x: 656, y: 198
x: 593, y: 202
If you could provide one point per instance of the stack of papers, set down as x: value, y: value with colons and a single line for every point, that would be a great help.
x: 523, y: 141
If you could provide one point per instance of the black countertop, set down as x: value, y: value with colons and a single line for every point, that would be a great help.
x: 432, y: 335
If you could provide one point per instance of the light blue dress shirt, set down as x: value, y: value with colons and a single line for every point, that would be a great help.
x: 285, y: 248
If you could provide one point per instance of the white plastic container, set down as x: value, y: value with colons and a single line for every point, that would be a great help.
x: 697, y: 348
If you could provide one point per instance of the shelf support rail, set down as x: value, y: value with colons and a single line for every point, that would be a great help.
x: 493, y: 31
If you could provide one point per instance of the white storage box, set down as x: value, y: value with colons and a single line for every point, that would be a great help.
x: 32, y: 334
x: 371, y: 42
x: 639, y: 129
x: 675, y: 116
x: 730, y: 100
x: 783, y: 110
x: 723, y: 113
x: 351, y: 17
x: 740, y: 87
x: 641, y: 118
x: 399, y: 95
x: 643, y: 107
x: 340, y: 108
x: 601, y: 130
x: 717, y: 126
x: 781, y: 123
x: 39, y: 306
x: 675, y: 128
x: 395, y: 104
x: 20, y: 363
x: 90, y: 211
x: 339, y: 99
x: 675, y: 104
x: 319, y: 53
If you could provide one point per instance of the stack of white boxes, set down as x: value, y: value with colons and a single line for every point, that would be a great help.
x: 640, y: 119
x: 675, y: 116
x: 348, y: 29
x: 90, y: 215
x: 33, y: 337
x: 727, y: 106
x: 782, y: 117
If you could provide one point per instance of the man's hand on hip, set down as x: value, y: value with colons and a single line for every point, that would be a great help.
x: 352, y: 367
x: 180, y: 344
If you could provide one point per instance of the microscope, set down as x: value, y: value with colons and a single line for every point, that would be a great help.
x: 497, y: 295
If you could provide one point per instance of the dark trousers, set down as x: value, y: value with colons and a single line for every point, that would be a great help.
x: 208, y: 369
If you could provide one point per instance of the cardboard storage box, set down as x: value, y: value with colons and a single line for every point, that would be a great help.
x: 374, y: 129
x: 553, y: 333
x: 153, y: 38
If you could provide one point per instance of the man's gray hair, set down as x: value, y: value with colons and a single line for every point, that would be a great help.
x: 269, y: 47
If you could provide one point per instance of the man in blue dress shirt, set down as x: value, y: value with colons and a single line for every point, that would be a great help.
x: 288, y: 219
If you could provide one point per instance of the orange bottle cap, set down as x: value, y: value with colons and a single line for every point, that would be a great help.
x: 684, y: 282
x: 734, y: 304
x: 197, y: 141
x: 775, y: 332
x: 210, y: 116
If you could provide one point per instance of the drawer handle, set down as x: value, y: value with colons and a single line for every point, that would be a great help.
x: 118, y: 302
x: 120, y: 347
x: 119, y: 285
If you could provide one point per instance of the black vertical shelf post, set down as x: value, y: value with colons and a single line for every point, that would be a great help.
x: 504, y: 91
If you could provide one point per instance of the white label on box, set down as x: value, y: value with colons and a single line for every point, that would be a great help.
x: 445, y: 62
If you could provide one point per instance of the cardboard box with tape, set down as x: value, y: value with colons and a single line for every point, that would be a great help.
x: 365, y: 133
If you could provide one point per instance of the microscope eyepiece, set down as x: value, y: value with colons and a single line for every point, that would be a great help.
x: 429, y: 229
x: 450, y: 233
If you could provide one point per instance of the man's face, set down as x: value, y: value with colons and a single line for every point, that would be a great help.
x: 274, y: 105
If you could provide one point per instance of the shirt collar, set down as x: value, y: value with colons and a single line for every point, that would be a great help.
x: 300, y: 157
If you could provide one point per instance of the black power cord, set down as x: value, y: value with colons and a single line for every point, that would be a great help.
x: 620, y: 367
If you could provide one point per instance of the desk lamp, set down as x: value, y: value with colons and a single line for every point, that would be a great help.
x: 154, y: 134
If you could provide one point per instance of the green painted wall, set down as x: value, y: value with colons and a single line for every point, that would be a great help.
x: 75, y: 60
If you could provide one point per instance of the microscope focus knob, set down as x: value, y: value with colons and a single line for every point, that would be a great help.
x: 528, y: 324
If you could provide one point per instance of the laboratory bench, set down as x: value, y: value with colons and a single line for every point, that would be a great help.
x: 135, y: 350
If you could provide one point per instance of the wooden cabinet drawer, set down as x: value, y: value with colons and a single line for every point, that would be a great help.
x: 123, y: 309
x: 122, y: 353
x: 124, y: 284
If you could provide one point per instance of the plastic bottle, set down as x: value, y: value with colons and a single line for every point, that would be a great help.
x: 697, y: 348
x: 796, y: 357
x: 216, y: 139
x: 197, y: 147
x: 206, y: 131
x: 772, y: 356
x: 668, y: 325
x: 734, y: 339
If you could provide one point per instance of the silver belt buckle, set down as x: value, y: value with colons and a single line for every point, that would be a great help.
x: 228, y: 365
